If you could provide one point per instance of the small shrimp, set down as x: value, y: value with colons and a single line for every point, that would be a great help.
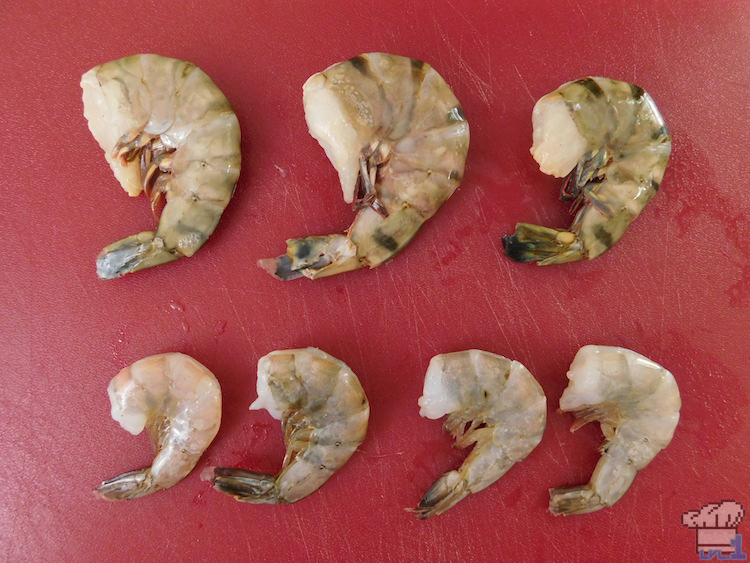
x: 611, y: 142
x: 179, y: 401
x: 165, y: 129
x: 324, y: 414
x: 637, y: 404
x: 505, y: 408
x: 398, y: 138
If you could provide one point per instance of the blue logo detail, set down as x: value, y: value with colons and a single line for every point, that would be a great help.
x: 738, y: 555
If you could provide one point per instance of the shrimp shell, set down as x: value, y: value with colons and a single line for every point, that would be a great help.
x: 398, y: 138
x: 178, y: 401
x: 167, y: 129
x: 611, y: 142
x: 324, y: 413
x: 637, y: 403
x: 506, y: 411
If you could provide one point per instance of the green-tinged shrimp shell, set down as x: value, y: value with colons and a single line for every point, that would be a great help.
x: 609, y: 138
x: 324, y: 413
x: 167, y: 129
x: 398, y: 138
x: 636, y: 402
x: 493, y: 404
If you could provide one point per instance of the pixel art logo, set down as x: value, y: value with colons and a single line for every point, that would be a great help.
x: 715, y: 526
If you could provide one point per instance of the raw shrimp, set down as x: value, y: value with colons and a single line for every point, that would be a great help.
x: 637, y: 403
x: 506, y: 411
x: 167, y: 129
x: 323, y: 412
x: 398, y: 138
x: 611, y: 142
x: 179, y: 401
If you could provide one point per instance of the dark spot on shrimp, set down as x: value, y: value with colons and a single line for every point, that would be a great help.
x: 322, y: 467
x: 337, y: 444
x: 361, y: 64
x: 454, y: 175
x: 661, y: 133
x: 592, y: 87
x: 418, y: 70
x: 386, y: 241
x: 486, y: 394
x: 604, y: 236
x: 655, y: 185
x: 303, y: 250
x: 636, y: 91
x: 456, y: 114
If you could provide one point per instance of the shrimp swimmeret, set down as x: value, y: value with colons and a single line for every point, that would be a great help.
x: 179, y: 402
x: 398, y: 138
x: 165, y: 129
x: 611, y: 142
x: 324, y: 413
x: 506, y: 411
x: 637, y: 404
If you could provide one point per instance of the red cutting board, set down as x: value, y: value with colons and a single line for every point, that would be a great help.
x: 676, y: 288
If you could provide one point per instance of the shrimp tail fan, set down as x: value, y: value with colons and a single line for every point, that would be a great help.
x: 127, y: 486
x: 246, y: 486
x: 446, y: 492
x: 550, y: 246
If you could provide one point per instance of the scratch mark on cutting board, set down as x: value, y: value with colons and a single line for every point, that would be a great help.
x: 525, y: 86
x: 239, y: 321
x: 244, y: 529
x: 356, y: 326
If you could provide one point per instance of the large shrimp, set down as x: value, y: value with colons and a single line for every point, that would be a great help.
x: 167, y: 129
x: 610, y: 141
x: 637, y: 403
x: 398, y: 138
x: 324, y: 414
x: 179, y: 401
x: 506, y: 411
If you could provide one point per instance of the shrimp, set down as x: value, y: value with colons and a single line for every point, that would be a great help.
x: 324, y: 414
x: 637, y: 403
x: 166, y: 129
x: 506, y: 411
x: 179, y: 401
x: 398, y: 138
x: 611, y: 142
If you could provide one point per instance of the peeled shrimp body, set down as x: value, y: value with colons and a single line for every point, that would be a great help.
x: 398, y: 138
x: 506, y: 411
x: 179, y: 402
x: 166, y: 129
x: 611, y: 142
x: 323, y: 412
x: 637, y: 403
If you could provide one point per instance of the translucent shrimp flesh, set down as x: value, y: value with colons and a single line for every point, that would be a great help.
x: 398, y: 138
x: 324, y: 413
x: 165, y: 129
x: 637, y: 404
x: 179, y: 402
x: 610, y: 142
x: 505, y: 410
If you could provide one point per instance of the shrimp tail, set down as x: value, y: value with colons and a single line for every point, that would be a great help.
x: 549, y: 246
x: 127, y: 486
x: 314, y: 257
x: 447, y: 491
x: 574, y: 500
x: 136, y: 252
x: 246, y: 486
x: 611, y: 479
